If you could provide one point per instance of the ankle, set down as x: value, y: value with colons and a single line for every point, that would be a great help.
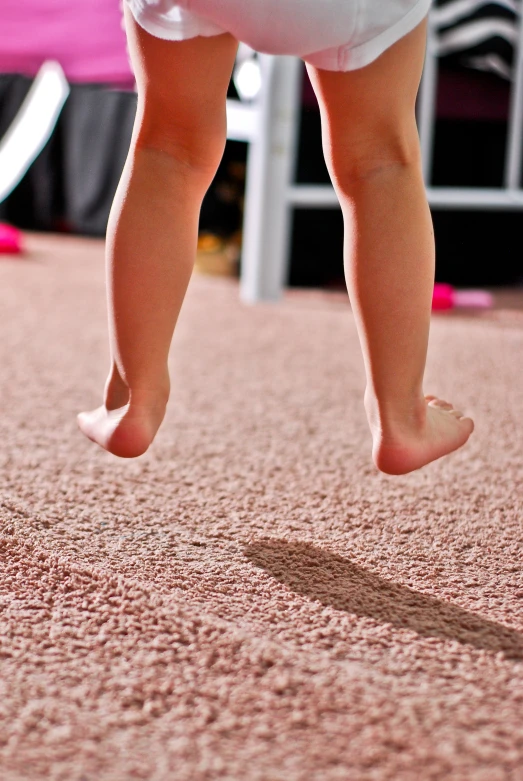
x: 147, y: 398
x: 118, y: 393
x: 393, y: 417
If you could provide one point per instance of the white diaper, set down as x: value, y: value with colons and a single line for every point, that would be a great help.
x: 336, y: 35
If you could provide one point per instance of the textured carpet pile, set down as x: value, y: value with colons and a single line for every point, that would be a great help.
x: 251, y: 600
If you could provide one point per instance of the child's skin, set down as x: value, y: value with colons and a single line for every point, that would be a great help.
x: 371, y: 148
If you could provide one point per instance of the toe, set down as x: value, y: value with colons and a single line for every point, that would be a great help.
x: 441, y: 404
x: 468, y: 423
x: 465, y: 424
x: 83, y: 419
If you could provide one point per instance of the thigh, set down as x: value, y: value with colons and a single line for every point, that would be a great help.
x: 182, y: 90
x: 368, y: 115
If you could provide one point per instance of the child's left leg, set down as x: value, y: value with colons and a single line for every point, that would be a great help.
x: 177, y: 145
x: 371, y: 145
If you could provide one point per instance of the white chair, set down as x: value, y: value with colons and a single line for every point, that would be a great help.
x: 510, y: 196
x: 270, y: 126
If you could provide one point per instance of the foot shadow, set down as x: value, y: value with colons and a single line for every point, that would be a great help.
x: 337, y: 582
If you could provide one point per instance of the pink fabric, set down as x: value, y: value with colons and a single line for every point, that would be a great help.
x: 87, y: 39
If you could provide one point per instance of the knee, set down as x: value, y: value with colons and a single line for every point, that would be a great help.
x: 358, y: 158
x: 196, y: 142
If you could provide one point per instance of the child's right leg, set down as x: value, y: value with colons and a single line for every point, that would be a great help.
x: 371, y: 147
x: 177, y: 144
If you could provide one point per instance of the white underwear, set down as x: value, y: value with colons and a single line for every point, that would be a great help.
x: 336, y: 35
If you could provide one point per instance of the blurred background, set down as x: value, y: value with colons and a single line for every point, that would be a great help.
x: 70, y: 185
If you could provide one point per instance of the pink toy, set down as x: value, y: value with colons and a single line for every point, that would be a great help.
x: 446, y: 297
x: 10, y: 240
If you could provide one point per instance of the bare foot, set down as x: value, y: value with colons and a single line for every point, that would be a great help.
x: 401, y: 446
x: 127, y: 423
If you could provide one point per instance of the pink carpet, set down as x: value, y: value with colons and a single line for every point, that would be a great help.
x: 251, y: 600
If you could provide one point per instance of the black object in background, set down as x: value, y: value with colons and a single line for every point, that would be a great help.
x: 95, y: 132
x: 473, y: 248
x: 37, y: 200
x: 70, y: 187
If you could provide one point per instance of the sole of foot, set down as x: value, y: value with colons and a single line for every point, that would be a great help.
x: 444, y: 430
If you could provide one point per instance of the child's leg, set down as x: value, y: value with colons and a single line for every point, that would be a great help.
x: 371, y: 147
x: 177, y: 144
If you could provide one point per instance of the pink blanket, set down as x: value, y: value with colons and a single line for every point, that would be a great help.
x: 85, y: 37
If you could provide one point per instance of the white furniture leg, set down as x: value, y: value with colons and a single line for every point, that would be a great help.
x: 270, y: 169
x: 426, y: 105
